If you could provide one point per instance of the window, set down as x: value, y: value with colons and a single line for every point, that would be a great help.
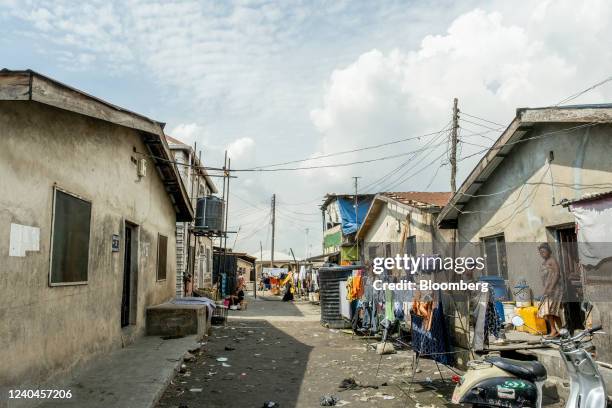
x: 162, y: 254
x: 494, y: 249
x: 70, y: 239
x: 411, y: 248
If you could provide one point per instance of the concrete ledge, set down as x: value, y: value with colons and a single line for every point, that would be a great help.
x: 169, y: 319
x: 133, y: 377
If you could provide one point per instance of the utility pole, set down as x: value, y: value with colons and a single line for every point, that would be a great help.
x: 453, y: 147
x: 306, y: 249
x: 356, y: 205
x: 273, y: 228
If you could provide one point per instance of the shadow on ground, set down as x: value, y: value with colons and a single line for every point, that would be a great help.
x: 268, y: 306
x: 263, y: 363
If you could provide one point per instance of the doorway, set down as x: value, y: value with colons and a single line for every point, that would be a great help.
x: 571, y: 276
x: 128, y: 295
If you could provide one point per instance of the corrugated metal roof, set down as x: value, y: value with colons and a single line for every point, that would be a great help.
x: 439, y: 199
x: 586, y: 197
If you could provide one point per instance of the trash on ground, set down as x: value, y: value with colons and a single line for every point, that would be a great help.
x: 328, y: 400
x: 220, y: 359
x: 351, y: 384
x: 271, y: 404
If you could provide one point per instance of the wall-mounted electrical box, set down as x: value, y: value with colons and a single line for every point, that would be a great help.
x: 142, y: 167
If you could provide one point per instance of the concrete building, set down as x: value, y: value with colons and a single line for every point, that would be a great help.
x: 281, y: 260
x: 89, y: 201
x: 193, y: 253
x: 402, y: 222
x: 510, y: 202
x: 340, y: 224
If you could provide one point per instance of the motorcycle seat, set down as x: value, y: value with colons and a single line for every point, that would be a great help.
x: 527, y: 370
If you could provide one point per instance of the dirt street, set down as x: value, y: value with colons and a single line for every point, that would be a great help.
x: 277, y: 351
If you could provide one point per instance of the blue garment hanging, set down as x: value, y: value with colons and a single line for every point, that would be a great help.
x: 435, y: 343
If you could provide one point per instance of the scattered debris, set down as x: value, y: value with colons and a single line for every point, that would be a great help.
x: 220, y: 359
x: 188, y: 357
x: 385, y: 348
x: 329, y: 400
x: 228, y: 348
x: 195, y: 389
x: 271, y: 404
x: 351, y: 384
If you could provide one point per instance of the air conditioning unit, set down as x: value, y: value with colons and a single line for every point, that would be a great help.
x: 142, y: 167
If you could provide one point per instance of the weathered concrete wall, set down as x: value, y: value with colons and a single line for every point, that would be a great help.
x: 44, y: 331
x: 396, y: 221
x: 520, y: 204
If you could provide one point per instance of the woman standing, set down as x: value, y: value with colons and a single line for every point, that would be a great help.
x: 550, y: 307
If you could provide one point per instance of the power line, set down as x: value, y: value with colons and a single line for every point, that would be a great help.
x: 481, y: 125
x: 590, y: 124
x: 483, y: 119
x: 590, y: 88
x: 348, y: 151
x: 378, y: 182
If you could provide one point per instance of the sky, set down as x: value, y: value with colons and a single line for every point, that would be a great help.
x: 280, y: 81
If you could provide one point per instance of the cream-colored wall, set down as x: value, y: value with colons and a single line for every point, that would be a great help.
x: 44, y: 331
x: 396, y: 221
x: 520, y: 204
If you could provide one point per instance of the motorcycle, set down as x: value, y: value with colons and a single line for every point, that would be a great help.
x: 502, y: 382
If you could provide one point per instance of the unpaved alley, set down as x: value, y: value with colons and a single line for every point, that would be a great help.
x: 277, y: 351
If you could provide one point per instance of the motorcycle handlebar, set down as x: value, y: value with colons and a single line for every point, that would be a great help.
x: 577, y: 337
x: 596, y: 328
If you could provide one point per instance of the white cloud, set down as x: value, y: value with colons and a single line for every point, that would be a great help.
x: 323, y: 76
x: 241, y: 150
x: 489, y: 61
x: 188, y: 133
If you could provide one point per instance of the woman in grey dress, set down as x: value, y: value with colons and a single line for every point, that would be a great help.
x: 550, y: 306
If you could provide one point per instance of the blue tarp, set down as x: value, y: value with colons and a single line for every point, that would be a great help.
x: 347, y: 213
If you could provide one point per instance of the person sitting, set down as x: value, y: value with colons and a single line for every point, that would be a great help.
x: 237, y: 298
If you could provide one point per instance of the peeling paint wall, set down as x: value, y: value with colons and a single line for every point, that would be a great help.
x: 520, y: 201
x: 396, y: 221
x: 45, y: 331
x: 520, y: 205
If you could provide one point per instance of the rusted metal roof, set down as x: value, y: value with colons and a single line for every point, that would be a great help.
x: 439, y: 199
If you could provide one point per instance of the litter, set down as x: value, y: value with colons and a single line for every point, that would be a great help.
x: 225, y: 365
x: 195, y: 389
x: 220, y: 359
x: 328, y: 400
x: 351, y: 384
x: 228, y: 348
x: 271, y: 404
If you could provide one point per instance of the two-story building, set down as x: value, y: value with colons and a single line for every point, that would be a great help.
x: 194, y: 253
x: 342, y: 215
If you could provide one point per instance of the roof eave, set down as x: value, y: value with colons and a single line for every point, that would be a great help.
x: 28, y: 85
